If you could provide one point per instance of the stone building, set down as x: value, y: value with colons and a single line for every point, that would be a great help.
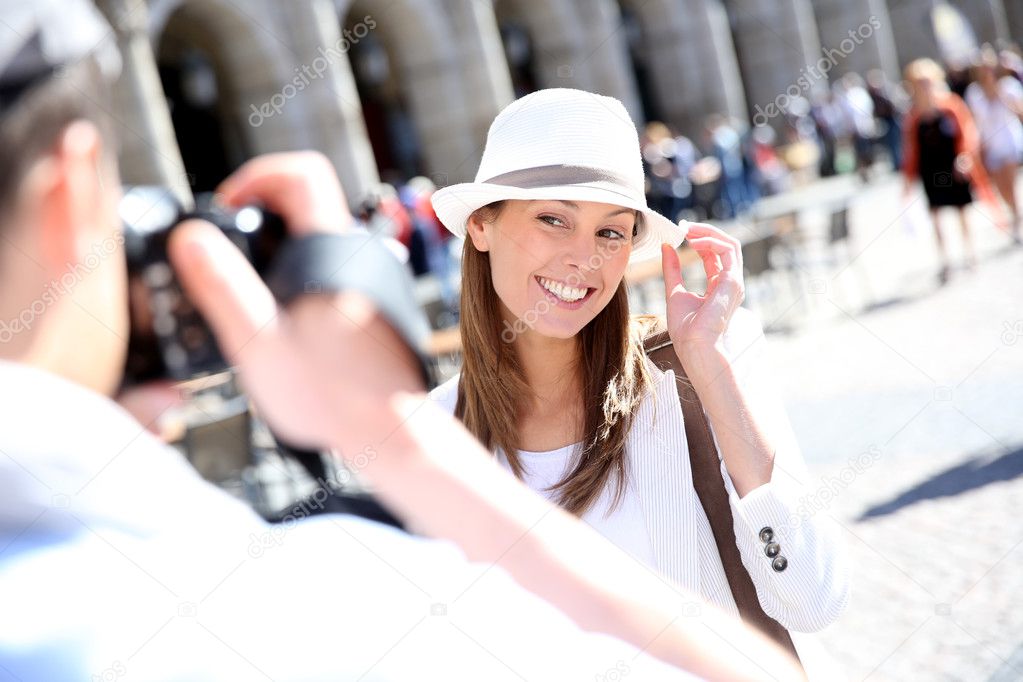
x: 393, y: 88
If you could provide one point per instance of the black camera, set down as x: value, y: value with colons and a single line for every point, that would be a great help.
x: 168, y: 338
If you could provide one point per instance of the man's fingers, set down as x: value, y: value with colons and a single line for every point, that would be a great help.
x: 302, y: 187
x: 223, y: 286
x: 154, y: 405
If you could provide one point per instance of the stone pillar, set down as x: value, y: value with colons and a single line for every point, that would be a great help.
x: 607, y: 54
x: 987, y: 17
x: 691, y: 59
x: 425, y: 53
x: 333, y: 112
x: 483, y: 72
x: 779, y: 52
x: 911, y: 22
x: 148, y: 149
x: 867, y: 24
x: 559, y: 41
x: 262, y: 107
x: 1014, y: 20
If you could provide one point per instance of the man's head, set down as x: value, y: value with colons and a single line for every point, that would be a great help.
x: 62, y: 273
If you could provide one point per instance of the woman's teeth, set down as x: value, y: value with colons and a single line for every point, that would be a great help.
x: 562, y: 291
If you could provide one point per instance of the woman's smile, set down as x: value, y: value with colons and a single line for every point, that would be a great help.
x: 563, y: 294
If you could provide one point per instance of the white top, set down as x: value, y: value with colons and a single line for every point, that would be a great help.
x: 813, y: 588
x: 1000, y: 129
x: 116, y: 559
x: 625, y: 527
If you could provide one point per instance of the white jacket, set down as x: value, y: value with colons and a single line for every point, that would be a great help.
x: 812, y: 589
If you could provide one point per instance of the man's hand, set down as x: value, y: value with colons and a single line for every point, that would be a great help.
x: 321, y: 371
x: 301, y: 187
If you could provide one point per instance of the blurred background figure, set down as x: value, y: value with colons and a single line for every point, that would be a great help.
x: 941, y: 149
x: 858, y: 108
x: 1011, y: 63
x: 668, y: 159
x: 889, y: 106
x: 996, y: 101
x: 429, y: 248
x: 725, y: 144
x: 830, y: 127
x: 769, y: 171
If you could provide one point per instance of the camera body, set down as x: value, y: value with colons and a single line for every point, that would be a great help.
x: 168, y: 337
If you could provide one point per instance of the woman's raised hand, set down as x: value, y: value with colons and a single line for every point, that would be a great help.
x: 695, y: 322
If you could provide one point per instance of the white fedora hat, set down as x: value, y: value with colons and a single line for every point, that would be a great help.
x: 563, y: 144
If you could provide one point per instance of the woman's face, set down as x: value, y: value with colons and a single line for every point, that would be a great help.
x: 924, y: 91
x: 555, y: 264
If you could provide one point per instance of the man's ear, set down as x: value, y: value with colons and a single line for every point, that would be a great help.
x: 477, y: 233
x: 67, y: 190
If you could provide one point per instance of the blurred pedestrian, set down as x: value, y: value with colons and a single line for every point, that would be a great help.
x: 770, y: 172
x: 432, y: 245
x: 997, y: 105
x: 889, y: 105
x: 827, y: 118
x: 725, y: 145
x: 1012, y: 63
x: 942, y: 150
x: 858, y: 109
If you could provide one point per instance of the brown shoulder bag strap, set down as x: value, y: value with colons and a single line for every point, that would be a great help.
x: 710, y: 488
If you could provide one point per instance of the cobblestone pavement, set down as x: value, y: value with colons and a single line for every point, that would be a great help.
x: 907, y: 399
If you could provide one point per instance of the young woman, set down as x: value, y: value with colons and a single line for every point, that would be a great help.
x: 942, y: 149
x: 556, y: 383
x: 997, y: 105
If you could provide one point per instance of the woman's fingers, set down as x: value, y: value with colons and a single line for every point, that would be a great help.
x: 672, y: 270
x: 712, y: 250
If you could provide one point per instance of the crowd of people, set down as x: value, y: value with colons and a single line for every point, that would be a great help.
x: 955, y: 128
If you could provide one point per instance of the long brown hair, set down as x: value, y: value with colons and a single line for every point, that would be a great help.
x: 492, y: 389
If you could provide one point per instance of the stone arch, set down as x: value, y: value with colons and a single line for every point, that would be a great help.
x: 253, y: 109
x: 777, y: 43
x: 607, y: 56
x: 559, y: 43
x: 691, y: 61
x: 865, y: 21
x: 420, y: 47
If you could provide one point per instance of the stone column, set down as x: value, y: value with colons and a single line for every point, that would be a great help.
x: 779, y: 53
x: 559, y: 41
x: 333, y: 113
x: 483, y: 71
x: 911, y: 22
x: 691, y: 59
x: 149, y: 151
x: 607, y: 56
x: 867, y: 24
x: 987, y: 17
x: 1014, y: 20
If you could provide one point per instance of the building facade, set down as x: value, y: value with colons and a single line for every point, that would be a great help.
x: 388, y: 89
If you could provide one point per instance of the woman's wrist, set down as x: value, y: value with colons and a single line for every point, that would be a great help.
x: 703, y: 361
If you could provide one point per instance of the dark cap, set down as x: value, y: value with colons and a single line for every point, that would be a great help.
x: 40, y: 37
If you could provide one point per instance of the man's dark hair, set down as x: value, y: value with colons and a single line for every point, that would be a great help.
x: 30, y: 127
